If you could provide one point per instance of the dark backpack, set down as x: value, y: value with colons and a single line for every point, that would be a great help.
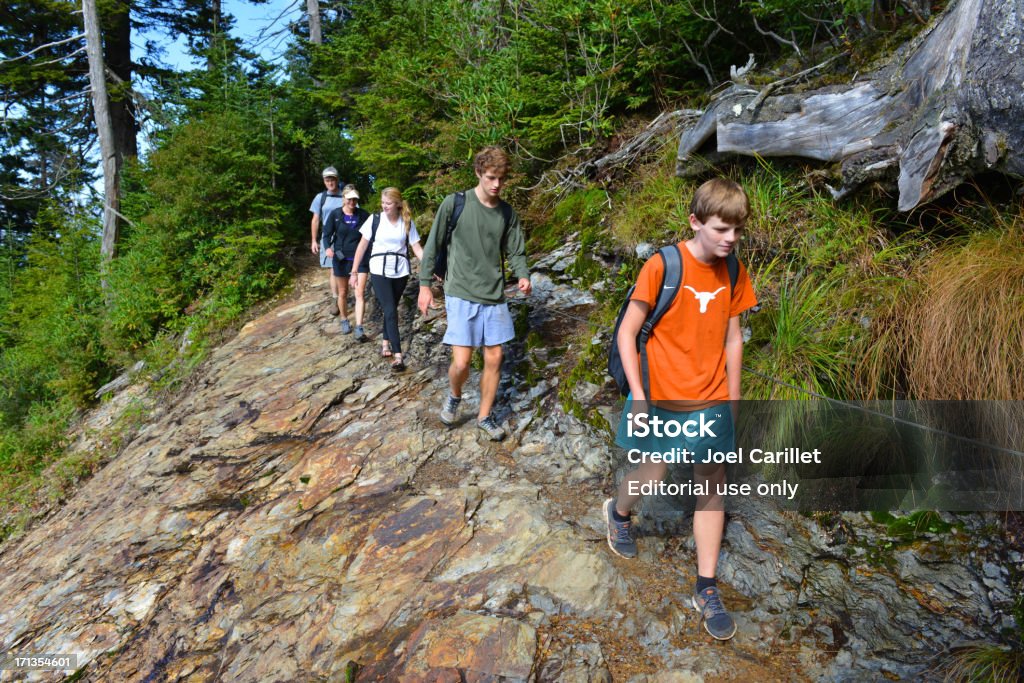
x: 441, y: 254
x: 373, y: 237
x: 320, y: 209
x: 673, y: 276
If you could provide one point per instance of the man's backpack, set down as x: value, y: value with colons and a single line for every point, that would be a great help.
x: 441, y: 254
x: 320, y: 209
x: 670, y: 284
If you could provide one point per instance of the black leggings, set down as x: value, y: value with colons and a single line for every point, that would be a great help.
x: 388, y: 291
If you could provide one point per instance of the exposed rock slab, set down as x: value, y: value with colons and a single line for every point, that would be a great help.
x: 302, y: 515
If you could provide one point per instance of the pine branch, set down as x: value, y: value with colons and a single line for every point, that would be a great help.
x: 43, y: 47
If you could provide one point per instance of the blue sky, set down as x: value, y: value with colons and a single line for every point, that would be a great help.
x: 270, y: 18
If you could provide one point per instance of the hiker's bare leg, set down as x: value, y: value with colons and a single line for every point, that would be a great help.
x: 649, y: 472
x: 709, y: 519
x: 458, y: 371
x: 489, y: 379
x: 342, y: 283
x: 360, y: 297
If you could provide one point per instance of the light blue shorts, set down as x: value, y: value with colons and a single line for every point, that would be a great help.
x: 698, y: 431
x: 473, y: 324
x: 325, y: 260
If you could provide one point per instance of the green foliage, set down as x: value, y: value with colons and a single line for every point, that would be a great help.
x: 910, y: 527
x: 50, y: 324
x: 201, y: 244
x: 420, y: 86
x: 43, y: 82
x: 42, y: 433
x: 51, y: 359
x: 581, y: 210
x: 657, y: 212
x: 206, y: 233
x: 429, y: 83
x: 800, y: 339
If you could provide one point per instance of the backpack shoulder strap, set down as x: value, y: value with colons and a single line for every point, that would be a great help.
x: 458, y: 204
x: 671, y: 280
x: 506, y: 213
x: 373, y: 227
x: 320, y: 209
x: 733, y: 265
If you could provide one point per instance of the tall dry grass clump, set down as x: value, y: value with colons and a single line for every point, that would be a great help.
x: 965, y: 326
x: 978, y: 662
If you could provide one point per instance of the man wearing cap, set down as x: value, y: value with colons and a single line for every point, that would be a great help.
x: 341, y: 239
x: 325, y: 202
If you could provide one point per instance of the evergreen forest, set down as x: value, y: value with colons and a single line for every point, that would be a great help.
x: 144, y: 264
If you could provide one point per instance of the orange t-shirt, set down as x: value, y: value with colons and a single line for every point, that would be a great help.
x: 686, y: 350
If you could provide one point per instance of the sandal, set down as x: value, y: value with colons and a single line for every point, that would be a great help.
x: 385, y: 351
x: 397, y: 365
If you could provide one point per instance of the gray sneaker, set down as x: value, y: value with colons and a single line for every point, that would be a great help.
x: 716, y: 618
x: 334, y: 306
x: 346, y: 326
x: 360, y: 335
x: 491, y: 426
x: 620, y: 534
x: 450, y: 410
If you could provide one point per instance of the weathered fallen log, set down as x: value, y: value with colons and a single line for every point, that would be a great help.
x: 947, y: 106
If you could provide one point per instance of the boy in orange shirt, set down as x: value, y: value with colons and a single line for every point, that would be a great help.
x: 694, y: 357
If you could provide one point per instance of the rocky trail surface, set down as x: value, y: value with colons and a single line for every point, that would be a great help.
x: 301, y: 514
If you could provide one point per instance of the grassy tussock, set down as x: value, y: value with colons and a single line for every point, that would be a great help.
x: 983, y: 664
x: 800, y: 339
x: 964, y: 329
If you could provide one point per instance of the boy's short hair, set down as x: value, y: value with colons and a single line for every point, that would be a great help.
x: 723, y: 198
x: 491, y: 159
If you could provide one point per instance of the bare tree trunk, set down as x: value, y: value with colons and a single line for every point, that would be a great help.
x: 313, y: 10
x: 947, y: 106
x: 104, y: 127
x: 118, y: 54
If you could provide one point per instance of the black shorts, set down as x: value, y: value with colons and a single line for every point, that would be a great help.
x: 343, y: 267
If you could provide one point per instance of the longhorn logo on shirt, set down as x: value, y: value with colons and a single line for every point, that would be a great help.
x: 704, y: 297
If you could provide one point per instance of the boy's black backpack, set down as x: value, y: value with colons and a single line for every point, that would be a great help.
x: 670, y: 284
x: 441, y: 254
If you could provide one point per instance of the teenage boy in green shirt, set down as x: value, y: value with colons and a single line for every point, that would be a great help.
x: 695, y: 353
x: 477, y: 313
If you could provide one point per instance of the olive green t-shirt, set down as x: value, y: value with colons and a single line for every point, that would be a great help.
x: 474, y: 255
